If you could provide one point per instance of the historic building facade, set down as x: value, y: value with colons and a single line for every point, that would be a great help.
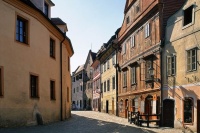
x: 181, y: 104
x: 140, y: 38
x: 77, y: 88
x: 96, y: 86
x: 107, y: 58
x: 34, y: 65
x: 88, y: 81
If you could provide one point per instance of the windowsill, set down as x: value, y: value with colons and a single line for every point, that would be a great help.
x: 191, y: 71
x: 22, y: 43
x: 52, y: 57
x: 124, y: 86
x: 188, y: 124
x: 133, y: 84
x: 53, y: 99
x: 188, y: 25
x: 35, y: 98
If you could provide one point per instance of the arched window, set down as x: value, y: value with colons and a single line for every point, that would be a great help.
x: 188, y: 110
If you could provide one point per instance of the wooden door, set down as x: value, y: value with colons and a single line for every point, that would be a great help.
x: 112, y: 106
x: 168, y: 113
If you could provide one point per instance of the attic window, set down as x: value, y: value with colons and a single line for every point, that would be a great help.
x: 188, y: 15
x: 46, y: 9
x: 127, y: 20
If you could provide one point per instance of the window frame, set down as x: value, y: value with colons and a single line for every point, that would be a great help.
x: 189, y: 52
x: 108, y: 85
x: 52, y: 45
x: 133, y: 75
x: 192, y: 121
x: 1, y: 82
x: 52, y: 90
x: 171, y: 65
x: 147, y: 30
x: 46, y: 9
x: 25, y: 30
x: 192, y: 17
x: 124, y: 81
x: 104, y: 86
x: 113, y: 82
x: 36, y: 96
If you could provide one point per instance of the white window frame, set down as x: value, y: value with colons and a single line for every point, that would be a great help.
x: 147, y: 30
x: 171, y: 64
x: 190, y: 60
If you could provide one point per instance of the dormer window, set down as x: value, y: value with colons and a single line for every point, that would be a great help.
x: 188, y: 16
x: 46, y: 9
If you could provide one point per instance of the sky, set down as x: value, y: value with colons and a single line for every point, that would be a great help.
x: 90, y: 24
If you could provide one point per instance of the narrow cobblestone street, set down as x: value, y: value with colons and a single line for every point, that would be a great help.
x: 90, y: 122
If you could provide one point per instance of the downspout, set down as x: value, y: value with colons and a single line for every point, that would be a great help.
x: 61, y: 98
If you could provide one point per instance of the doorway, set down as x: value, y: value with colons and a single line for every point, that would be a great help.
x: 126, y: 108
x: 107, y: 106
x: 168, y: 113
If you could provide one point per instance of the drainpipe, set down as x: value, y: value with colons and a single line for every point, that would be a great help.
x: 61, y: 101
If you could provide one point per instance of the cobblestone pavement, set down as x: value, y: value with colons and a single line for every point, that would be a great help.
x: 90, y: 122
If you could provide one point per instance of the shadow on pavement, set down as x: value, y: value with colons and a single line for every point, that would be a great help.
x: 78, y: 124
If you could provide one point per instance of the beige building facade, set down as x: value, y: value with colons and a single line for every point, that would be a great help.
x: 107, y: 58
x: 35, y: 56
x: 181, y: 55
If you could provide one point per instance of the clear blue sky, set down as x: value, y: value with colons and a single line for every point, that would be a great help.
x: 90, y: 24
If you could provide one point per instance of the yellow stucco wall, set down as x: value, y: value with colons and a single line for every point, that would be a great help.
x: 179, y: 39
x: 19, y: 60
x: 109, y: 95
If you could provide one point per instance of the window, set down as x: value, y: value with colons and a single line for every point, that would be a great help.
x: 188, y: 16
x: 124, y: 48
x: 77, y: 89
x: 22, y: 30
x: 147, y: 30
x: 137, y: 8
x: 105, y: 86
x: 113, y: 82
x: 104, y: 66
x: 148, y: 65
x: 188, y: 110
x: 192, y: 60
x: 34, y: 86
x: 1, y: 82
x: 80, y: 76
x: 52, y: 48
x: 81, y: 88
x: 77, y: 77
x: 133, y: 75
x: 127, y: 20
x: 73, y: 79
x: 125, y: 79
x: 88, y: 85
x: 171, y: 65
x: 46, y: 9
x: 74, y: 90
x: 133, y: 41
x: 52, y: 90
x: 101, y: 87
x: 108, y: 64
x: 113, y: 59
x: 108, y: 85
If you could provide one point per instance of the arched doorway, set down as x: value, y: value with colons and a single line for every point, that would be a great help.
x: 168, y: 113
x: 126, y: 108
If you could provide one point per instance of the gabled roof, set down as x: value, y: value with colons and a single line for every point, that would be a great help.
x: 93, y: 56
x: 58, y: 21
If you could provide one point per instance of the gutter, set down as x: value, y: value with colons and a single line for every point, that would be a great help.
x: 61, y: 97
